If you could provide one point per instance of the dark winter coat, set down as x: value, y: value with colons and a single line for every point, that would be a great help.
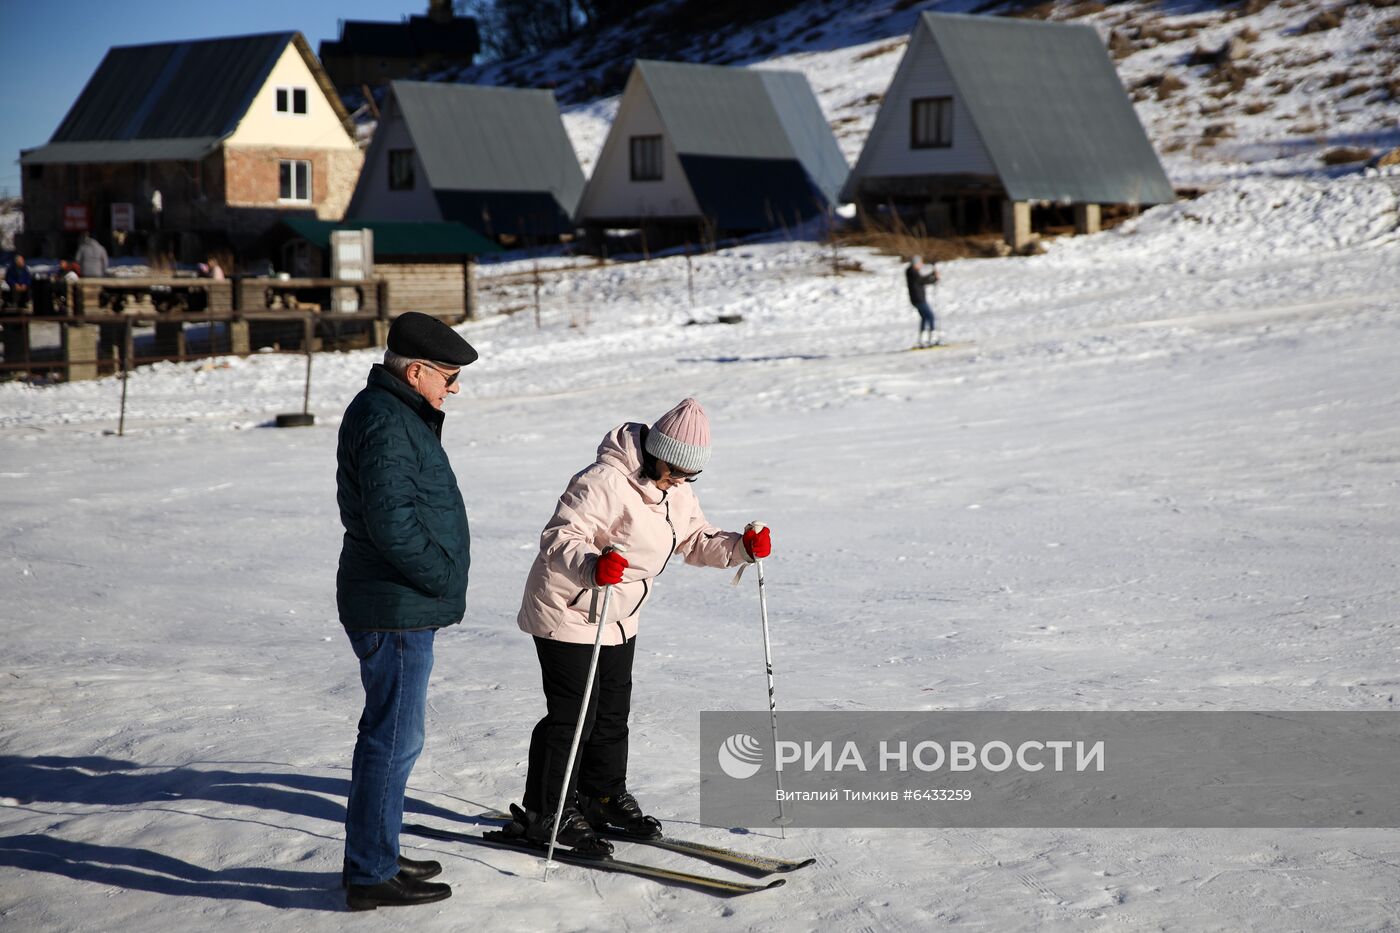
x: 18, y: 276
x: 407, y: 548
x: 917, y: 283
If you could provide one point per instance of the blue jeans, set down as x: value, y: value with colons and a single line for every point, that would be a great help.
x: 926, y: 319
x: 394, y: 668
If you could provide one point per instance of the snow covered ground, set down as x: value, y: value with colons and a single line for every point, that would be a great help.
x: 1161, y: 476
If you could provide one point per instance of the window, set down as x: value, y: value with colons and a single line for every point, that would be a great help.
x: 291, y: 100
x: 294, y: 180
x: 931, y: 123
x: 400, y: 169
x: 646, y: 158
x: 36, y: 172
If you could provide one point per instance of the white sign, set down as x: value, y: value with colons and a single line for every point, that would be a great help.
x: 123, y: 216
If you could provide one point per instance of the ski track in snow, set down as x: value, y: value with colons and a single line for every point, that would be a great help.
x: 1162, y: 476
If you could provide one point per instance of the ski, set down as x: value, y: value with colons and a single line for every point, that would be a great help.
x: 744, y: 862
x: 720, y: 887
x: 945, y: 346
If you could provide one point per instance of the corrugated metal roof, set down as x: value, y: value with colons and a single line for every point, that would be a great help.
x: 128, y: 150
x: 475, y: 139
x: 1050, y: 109
x: 399, y: 238
x: 172, y: 90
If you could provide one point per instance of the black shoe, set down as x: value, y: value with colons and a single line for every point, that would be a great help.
x: 622, y: 812
x: 398, y: 891
x: 418, y: 871
x: 574, y: 831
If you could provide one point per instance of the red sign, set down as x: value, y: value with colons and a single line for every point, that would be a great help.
x: 75, y: 218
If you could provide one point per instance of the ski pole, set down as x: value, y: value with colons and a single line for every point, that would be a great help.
x: 599, y: 620
x: 768, y: 666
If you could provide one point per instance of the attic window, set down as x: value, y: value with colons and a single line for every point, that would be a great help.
x: 646, y: 158
x: 291, y: 100
x: 931, y: 123
x: 400, y: 169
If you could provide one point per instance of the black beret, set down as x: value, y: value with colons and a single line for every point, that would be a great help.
x: 423, y: 337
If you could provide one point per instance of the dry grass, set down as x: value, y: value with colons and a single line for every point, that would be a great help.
x: 934, y: 249
x: 879, y: 50
x: 866, y: 101
x: 1257, y: 107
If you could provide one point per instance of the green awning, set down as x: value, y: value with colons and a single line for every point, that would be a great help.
x: 399, y: 238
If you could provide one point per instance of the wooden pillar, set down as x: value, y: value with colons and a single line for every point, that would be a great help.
x: 469, y: 299
x: 1088, y: 218
x: 239, y: 340
x: 80, y: 351
x: 379, y: 332
x: 1016, y: 223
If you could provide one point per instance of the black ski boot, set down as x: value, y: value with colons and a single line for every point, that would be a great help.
x: 621, y: 813
x: 574, y: 831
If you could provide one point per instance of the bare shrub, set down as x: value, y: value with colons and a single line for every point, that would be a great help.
x: 1336, y: 79
x: 1169, y: 85
x: 1327, y: 19
x: 1345, y: 154
x: 1257, y: 106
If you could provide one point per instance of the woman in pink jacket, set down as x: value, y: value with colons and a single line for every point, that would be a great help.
x: 636, y: 497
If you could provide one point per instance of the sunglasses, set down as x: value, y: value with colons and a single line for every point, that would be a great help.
x: 448, y: 378
x: 678, y: 474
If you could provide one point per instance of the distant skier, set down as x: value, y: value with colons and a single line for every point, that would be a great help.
x: 917, y: 282
x: 637, y: 498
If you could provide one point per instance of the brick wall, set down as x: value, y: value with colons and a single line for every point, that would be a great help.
x: 252, y: 177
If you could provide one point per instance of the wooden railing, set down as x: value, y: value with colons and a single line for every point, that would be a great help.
x: 97, y: 318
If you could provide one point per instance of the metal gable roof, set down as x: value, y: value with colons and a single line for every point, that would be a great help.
x: 1050, y: 109
x: 806, y: 127
x: 477, y: 138
x: 172, y: 90
x: 716, y: 111
x: 756, y: 149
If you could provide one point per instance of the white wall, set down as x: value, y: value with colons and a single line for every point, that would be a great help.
x: 319, y: 127
x: 373, y: 200
x: 921, y: 73
x: 611, y: 193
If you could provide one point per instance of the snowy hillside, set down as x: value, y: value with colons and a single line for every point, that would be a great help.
x: 1296, y: 81
x: 1161, y: 476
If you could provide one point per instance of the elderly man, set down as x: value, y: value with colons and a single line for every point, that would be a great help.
x: 402, y: 576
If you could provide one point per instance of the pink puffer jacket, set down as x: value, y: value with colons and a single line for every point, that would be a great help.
x: 610, y: 504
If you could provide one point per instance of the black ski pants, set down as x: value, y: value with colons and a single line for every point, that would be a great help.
x: 601, y: 767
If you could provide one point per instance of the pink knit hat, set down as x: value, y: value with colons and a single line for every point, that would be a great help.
x: 681, y: 437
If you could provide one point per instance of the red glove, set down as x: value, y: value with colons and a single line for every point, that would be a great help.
x: 609, y: 568
x: 757, y: 543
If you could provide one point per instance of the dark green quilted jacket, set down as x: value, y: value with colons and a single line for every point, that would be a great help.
x: 404, y: 560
